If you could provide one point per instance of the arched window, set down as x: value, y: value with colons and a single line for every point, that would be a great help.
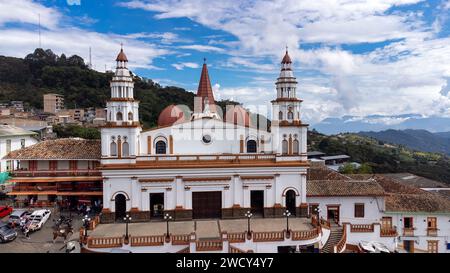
x: 290, y: 115
x: 295, y: 147
x: 160, y: 147
x: 119, y: 116
x: 280, y: 115
x: 251, y: 146
x: 130, y: 116
x: 125, y: 149
x: 113, y: 149
x: 284, y: 147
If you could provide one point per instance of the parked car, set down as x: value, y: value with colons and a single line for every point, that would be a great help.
x: 38, y: 218
x: 5, y: 211
x: 7, y: 234
x: 18, y: 215
x: 379, y: 247
x: 367, y: 247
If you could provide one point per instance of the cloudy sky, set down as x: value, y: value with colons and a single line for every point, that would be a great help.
x: 351, y: 57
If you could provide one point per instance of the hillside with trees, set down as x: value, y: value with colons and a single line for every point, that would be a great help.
x: 380, y: 157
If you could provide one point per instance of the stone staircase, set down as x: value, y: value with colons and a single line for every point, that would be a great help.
x: 335, y: 236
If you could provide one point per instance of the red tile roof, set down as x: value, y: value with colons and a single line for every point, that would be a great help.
x: 63, y: 148
x: 205, y: 89
x: 121, y: 57
x: 343, y: 188
x: 286, y: 58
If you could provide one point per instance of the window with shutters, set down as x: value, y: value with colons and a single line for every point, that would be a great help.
x: 359, y: 210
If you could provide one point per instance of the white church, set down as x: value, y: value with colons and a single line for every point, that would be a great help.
x: 203, y: 163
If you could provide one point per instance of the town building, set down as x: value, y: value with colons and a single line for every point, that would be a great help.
x: 53, y: 103
x: 61, y: 170
x: 13, y: 138
x: 203, y: 164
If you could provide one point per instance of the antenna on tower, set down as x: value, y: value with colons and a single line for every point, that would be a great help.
x: 39, y: 16
x: 90, y: 58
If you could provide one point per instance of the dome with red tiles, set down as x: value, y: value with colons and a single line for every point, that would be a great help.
x: 286, y: 58
x: 170, y: 115
x: 238, y: 115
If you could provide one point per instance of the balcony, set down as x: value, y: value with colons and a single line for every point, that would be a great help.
x: 388, y: 232
x: 432, y: 231
x: 55, y: 173
x: 408, y: 231
x: 28, y: 188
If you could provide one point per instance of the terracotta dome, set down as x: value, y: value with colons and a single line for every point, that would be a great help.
x: 286, y: 58
x: 238, y: 115
x: 121, y: 57
x: 170, y: 115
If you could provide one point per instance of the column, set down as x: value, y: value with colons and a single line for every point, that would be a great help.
x: 237, y: 190
x: 179, y: 192
x: 135, y: 194
x: 277, y: 190
x: 106, y: 194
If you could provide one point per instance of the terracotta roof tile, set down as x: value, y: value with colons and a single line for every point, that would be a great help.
x: 63, y: 148
x: 408, y: 198
x: 324, y: 173
x: 343, y: 188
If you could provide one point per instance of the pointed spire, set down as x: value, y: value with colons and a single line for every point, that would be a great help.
x: 121, y: 57
x: 205, y: 90
x: 286, y: 58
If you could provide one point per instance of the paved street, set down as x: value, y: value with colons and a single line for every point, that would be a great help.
x: 41, y: 240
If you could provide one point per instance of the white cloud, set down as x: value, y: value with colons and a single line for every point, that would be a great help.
x: 181, y: 66
x: 202, y: 48
x: 73, y: 2
x: 26, y: 11
x: 402, y: 77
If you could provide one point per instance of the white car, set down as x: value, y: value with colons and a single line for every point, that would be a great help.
x: 379, y: 247
x: 38, y: 219
x: 367, y: 247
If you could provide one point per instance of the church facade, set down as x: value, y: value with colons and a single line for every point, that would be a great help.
x: 203, y: 163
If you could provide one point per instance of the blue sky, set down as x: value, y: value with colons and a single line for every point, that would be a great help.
x: 351, y: 57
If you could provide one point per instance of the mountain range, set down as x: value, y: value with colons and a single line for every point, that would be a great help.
x: 354, y: 124
x: 420, y: 140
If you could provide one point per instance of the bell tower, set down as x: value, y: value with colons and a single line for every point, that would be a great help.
x: 120, y: 135
x: 289, y: 133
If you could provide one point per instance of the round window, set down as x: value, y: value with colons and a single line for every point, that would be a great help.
x: 206, y: 139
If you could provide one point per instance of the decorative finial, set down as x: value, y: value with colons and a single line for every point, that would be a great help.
x: 121, y: 46
x: 204, y: 60
x: 286, y: 48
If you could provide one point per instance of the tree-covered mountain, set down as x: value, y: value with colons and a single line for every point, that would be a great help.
x: 44, y: 72
x: 382, y: 157
x: 420, y: 140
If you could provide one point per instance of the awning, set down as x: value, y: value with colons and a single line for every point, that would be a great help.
x: 4, y: 176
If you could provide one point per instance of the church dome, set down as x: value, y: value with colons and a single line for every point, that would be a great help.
x: 170, y: 115
x: 238, y: 115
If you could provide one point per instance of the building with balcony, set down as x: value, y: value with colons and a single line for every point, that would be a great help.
x: 61, y: 170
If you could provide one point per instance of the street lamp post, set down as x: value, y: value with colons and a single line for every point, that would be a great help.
x: 86, y: 224
x: 248, y: 215
x: 167, y: 217
x: 127, y: 220
x: 287, y: 214
x: 318, y: 210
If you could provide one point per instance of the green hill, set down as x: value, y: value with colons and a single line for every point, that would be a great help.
x: 45, y: 72
x: 382, y: 157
